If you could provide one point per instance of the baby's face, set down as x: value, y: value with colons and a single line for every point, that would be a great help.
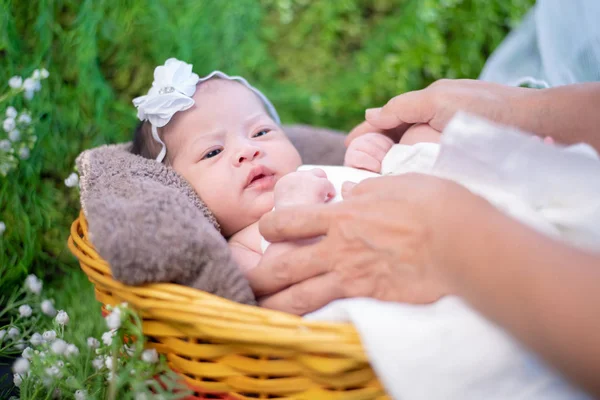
x: 231, y: 151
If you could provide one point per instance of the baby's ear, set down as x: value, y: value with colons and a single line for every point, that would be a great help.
x: 317, y: 146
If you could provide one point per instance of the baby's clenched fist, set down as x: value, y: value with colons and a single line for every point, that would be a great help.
x: 303, y: 187
x: 367, y: 151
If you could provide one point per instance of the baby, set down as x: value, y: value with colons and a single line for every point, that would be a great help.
x: 223, y: 136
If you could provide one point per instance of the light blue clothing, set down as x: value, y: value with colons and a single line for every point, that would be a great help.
x: 558, y: 43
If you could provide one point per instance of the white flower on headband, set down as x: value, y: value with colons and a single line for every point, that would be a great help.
x: 172, y: 90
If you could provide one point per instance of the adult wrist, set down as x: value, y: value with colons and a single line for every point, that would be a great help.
x: 458, y: 217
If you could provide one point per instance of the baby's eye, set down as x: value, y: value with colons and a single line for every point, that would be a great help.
x: 212, y: 153
x: 261, y: 133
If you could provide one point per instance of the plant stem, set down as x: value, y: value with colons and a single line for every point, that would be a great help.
x: 10, y: 94
x: 112, y: 388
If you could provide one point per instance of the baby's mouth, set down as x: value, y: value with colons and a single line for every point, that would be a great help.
x: 260, y: 178
x: 262, y: 181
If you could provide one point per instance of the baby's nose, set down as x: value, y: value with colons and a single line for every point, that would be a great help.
x: 247, y: 154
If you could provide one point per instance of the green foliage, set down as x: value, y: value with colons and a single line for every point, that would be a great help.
x: 320, y: 62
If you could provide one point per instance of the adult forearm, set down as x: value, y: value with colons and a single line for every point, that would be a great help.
x: 569, y: 114
x: 543, y: 292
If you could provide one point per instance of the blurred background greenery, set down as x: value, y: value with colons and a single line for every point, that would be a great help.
x: 320, y: 62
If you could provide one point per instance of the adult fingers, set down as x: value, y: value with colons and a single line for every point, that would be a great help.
x: 347, y: 188
x: 381, y: 185
x: 403, y: 110
x: 273, y: 274
x: 306, y: 296
x: 394, y: 133
x: 295, y: 223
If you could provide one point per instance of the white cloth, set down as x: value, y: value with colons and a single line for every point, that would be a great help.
x: 446, y: 350
x: 557, y: 43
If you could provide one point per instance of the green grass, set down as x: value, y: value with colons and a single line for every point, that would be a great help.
x: 320, y: 62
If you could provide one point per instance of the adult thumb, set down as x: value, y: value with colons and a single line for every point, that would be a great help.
x: 402, y: 110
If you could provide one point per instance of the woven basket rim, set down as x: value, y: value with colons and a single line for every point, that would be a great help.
x: 190, y: 310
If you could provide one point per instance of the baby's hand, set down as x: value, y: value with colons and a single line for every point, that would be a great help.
x: 367, y: 151
x: 303, y: 187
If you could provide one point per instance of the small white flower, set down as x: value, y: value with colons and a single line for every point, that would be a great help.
x: 17, y: 380
x: 29, y: 94
x: 150, y: 356
x: 48, y: 308
x: 107, y: 337
x: 130, y: 350
x: 33, y: 284
x: 9, y: 124
x: 57, y: 394
x: 60, y: 364
x: 20, y: 345
x: 25, y: 311
x: 109, y: 376
x: 36, y: 339
x: 108, y: 361
x: 49, y: 336
x: 44, y: 73
x: 62, y: 318
x: 11, y: 112
x: 141, y: 396
x: 72, y: 180
x: 14, y: 135
x: 21, y: 366
x: 80, y: 395
x: 27, y: 353
x: 24, y: 118
x: 2, y: 334
x: 15, y: 82
x: 58, y: 346
x: 5, y: 145
x: 98, y: 363
x: 71, y: 350
x: 113, y: 320
x: 13, y: 332
x: 24, y: 153
x: 30, y: 85
x: 36, y: 74
x: 93, y: 343
x: 53, y: 372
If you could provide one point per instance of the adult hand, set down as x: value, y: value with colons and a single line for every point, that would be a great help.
x: 437, y: 104
x: 378, y: 243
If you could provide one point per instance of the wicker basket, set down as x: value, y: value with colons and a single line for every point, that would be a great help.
x: 229, y: 350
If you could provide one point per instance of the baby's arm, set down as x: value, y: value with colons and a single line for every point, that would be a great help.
x: 296, y: 188
x: 367, y: 151
x: 245, y: 257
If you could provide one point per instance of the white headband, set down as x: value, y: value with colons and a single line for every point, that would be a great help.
x: 172, y: 90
